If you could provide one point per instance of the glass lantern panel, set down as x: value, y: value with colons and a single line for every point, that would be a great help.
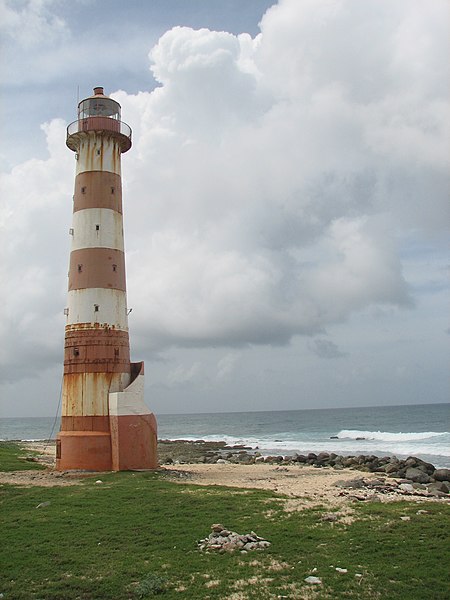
x: 99, y: 107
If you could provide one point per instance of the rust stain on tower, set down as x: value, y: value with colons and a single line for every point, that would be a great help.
x: 105, y: 423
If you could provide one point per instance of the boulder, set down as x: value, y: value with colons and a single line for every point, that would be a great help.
x: 417, y: 475
x: 442, y: 475
x: 438, y: 486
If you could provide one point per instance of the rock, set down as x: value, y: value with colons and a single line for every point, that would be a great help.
x: 217, y: 527
x: 374, y: 498
x: 442, y: 475
x: 334, y: 437
x: 406, y: 487
x: 329, y: 517
x: 417, y: 475
x: 405, y: 518
x: 437, y: 486
x: 350, y: 484
x: 313, y: 580
x: 98, y: 481
x: 222, y: 461
x: 323, y: 456
x: 300, y: 458
x: 339, y: 570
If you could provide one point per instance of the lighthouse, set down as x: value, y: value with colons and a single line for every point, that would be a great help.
x: 105, y: 424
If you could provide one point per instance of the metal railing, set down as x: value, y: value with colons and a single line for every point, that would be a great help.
x: 119, y: 128
x: 99, y: 124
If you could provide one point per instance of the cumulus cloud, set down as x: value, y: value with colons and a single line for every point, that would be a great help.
x: 269, y: 185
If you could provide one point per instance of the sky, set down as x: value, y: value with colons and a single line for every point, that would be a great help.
x: 285, y: 198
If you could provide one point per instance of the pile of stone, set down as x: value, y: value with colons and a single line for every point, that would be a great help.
x: 222, y: 540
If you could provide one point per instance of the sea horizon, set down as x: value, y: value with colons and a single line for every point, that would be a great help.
x: 222, y: 412
x: 421, y: 430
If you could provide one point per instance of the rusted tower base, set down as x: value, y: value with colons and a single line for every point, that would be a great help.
x: 124, y: 440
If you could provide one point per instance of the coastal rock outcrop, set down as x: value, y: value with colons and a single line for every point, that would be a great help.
x: 411, y: 471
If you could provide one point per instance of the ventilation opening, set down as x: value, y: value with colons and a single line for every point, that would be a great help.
x: 116, y: 352
x: 114, y: 267
x: 112, y: 190
x: 83, y: 189
x: 96, y: 307
x: 80, y: 268
x: 97, y: 227
x: 76, y: 352
x: 98, y: 152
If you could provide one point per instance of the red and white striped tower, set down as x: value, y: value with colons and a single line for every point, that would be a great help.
x: 105, y: 424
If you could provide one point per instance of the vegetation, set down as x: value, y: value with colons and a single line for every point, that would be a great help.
x: 15, y: 458
x: 134, y: 536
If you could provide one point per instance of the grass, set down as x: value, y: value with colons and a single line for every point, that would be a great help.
x: 15, y: 458
x: 134, y: 537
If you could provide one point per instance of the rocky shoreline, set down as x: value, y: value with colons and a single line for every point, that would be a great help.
x: 405, y: 476
x: 363, y: 477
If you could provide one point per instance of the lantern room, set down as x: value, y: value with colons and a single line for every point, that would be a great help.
x: 99, y: 105
x: 99, y: 114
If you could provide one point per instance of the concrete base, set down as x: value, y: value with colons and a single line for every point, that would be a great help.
x: 134, y: 442
x: 83, y: 450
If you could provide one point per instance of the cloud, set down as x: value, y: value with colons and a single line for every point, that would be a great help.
x: 269, y: 187
x: 325, y: 348
x: 182, y: 375
x: 31, y: 23
x: 226, y: 365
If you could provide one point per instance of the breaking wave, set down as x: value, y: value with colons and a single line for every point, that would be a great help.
x: 386, y: 436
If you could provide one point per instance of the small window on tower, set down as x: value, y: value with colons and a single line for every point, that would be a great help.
x: 80, y: 268
x: 97, y: 227
x: 114, y: 267
x: 112, y: 190
x: 98, y: 152
x: 96, y: 307
x: 76, y: 352
x: 83, y: 189
x: 116, y: 352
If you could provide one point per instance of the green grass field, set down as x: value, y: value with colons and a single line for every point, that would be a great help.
x: 135, y: 536
x: 15, y: 458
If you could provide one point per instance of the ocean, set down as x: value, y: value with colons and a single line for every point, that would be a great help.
x: 415, y: 430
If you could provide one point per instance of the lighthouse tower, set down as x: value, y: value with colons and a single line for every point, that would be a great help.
x: 105, y: 424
